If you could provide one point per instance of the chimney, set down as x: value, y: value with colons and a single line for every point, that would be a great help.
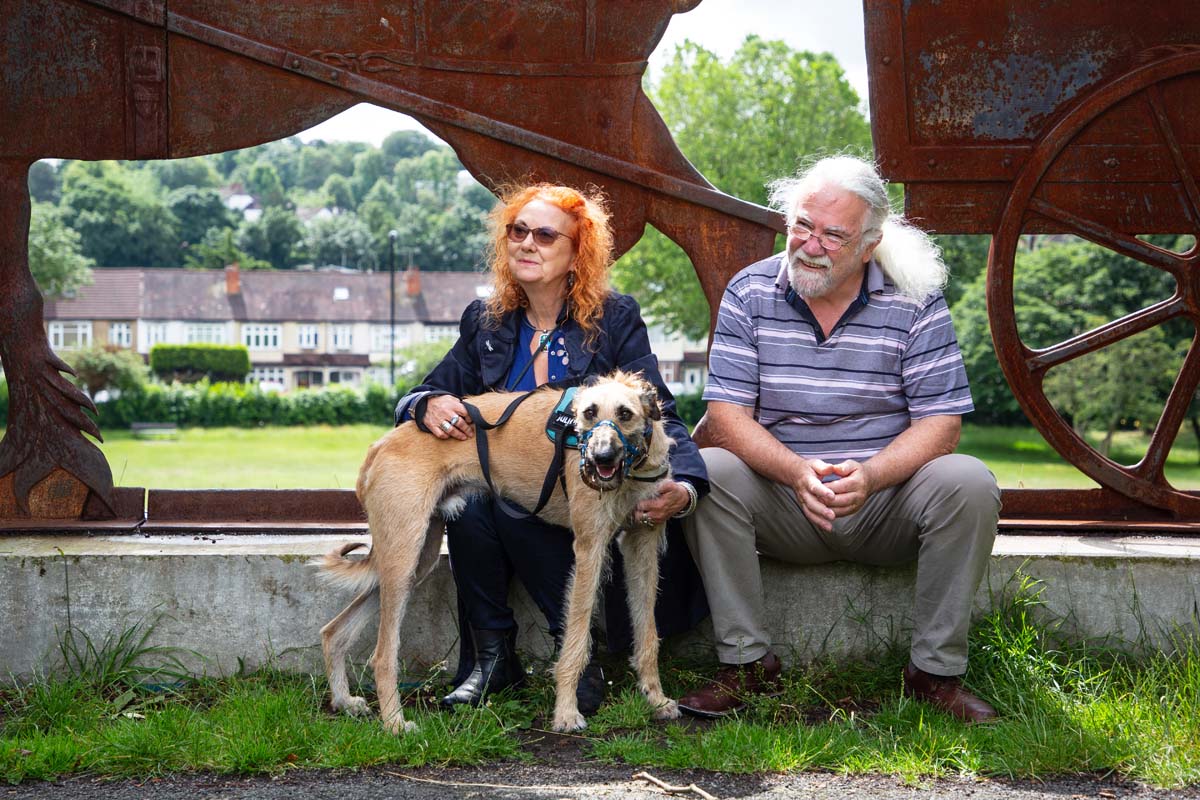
x: 233, y: 279
x: 412, y: 281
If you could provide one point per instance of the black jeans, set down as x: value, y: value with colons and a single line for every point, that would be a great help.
x: 488, y: 547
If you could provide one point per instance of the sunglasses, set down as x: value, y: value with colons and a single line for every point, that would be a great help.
x: 542, y: 236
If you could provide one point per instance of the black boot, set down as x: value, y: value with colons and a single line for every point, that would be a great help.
x: 496, y: 667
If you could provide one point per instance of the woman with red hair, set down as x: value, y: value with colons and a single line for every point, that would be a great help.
x: 551, y: 317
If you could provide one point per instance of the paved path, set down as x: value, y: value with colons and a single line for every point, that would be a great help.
x: 581, y: 780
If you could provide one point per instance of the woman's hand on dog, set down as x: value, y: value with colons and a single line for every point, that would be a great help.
x: 672, y: 498
x: 446, y: 408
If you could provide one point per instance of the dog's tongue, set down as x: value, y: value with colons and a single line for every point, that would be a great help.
x: 605, y: 472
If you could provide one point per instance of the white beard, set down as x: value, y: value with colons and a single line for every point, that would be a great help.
x: 806, y: 282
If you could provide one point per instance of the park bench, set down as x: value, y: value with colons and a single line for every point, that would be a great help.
x: 154, y: 430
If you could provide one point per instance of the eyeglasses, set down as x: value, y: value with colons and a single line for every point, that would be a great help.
x: 831, y: 242
x: 542, y: 236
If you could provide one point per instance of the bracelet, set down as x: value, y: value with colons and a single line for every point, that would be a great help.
x: 693, y: 498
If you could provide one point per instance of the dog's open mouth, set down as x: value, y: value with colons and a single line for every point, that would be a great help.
x: 606, y: 472
x: 601, y: 476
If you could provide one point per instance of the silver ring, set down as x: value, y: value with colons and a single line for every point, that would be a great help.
x: 649, y: 523
x: 446, y: 426
x: 454, y: 420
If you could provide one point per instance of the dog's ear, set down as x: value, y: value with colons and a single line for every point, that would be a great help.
x: 650, y: 406
x: 590, y: 380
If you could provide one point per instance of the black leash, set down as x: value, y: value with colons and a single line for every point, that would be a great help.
x: 481, y: 445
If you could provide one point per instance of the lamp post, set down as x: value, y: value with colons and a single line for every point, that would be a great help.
x: 392, y: 236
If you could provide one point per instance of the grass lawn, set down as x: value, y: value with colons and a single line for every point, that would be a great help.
x: 324, y: 457
x: 318, y: 457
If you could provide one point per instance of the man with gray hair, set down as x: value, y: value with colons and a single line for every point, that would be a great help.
x: 835, y: 395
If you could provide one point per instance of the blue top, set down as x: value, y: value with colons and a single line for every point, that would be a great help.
x: 556, y: 364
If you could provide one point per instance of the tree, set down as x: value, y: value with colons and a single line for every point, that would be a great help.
x: 338, y: 193
x: 341, y: 240
x: 276, y: 237
x: 263, y: 182
x: 217, y: 251
x: 120, y: 220
x: 198, y: 210
x: 316, y: 165
x: 1061, y: 289
x: 369, y: 167
x: 55, y: 259
x: 1125, y: 382
x: 44, y: 182
x: 742, y: 123
x: 180, y: 172
x: 405, y: 144
x: 106, y: 367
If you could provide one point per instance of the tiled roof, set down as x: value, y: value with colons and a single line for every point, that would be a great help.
x: 114, y: 294
x: 268, y: 296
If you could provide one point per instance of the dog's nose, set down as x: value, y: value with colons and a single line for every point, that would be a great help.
x: 606, y: 454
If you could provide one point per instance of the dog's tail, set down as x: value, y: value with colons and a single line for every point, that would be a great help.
x: 345, y: 573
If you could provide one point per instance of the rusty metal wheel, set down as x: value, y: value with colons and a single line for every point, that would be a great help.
x: 1029, y: 203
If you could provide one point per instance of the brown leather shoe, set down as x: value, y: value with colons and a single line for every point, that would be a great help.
x: 946, y: 693
x: 732, y: 685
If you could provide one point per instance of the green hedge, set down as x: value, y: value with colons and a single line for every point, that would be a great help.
x: 690, y: 408
x: 240, y: 405
x: 189, y: 362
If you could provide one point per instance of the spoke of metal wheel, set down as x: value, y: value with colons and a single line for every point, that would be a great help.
x: 1151, y: 467
x: 1121, y: 243
x: 1105, y: 335
x: 1154, y: 97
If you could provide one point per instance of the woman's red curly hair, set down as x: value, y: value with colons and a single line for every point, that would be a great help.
x: 593, y: 251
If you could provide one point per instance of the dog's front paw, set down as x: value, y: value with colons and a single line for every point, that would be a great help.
x: 667, y: 710
x: 352, y: 706
x: 566, y: 722
x: 400, y: 725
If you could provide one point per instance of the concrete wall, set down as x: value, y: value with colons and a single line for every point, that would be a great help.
x: 255, y: 598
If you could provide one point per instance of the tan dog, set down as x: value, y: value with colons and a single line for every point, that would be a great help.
x: 409, y: 483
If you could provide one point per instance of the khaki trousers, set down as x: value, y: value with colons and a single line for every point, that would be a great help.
x: 944, y: 518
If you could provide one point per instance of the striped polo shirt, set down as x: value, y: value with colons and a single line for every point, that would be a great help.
x: 888, y: 361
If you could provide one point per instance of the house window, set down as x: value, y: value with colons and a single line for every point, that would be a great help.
x: 261, y: 337
x: 667, y: 369
x: 120, y: 334
x: 70, y: 335
x: 268, y: 375
x: 309, y: 337
x: 382, y: 343
x: 156, y: 333
x: 437, y: 333
x: 350, y: 377
x: 343, y: 337
x: 309, y: 378
x: 205, y: 333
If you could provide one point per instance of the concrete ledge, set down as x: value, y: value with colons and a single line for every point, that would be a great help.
x: 250, y: 599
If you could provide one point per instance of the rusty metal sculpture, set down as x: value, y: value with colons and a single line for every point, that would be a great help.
x: 1004, y: 117
x: 529, y: 90
x: 1026, y: 117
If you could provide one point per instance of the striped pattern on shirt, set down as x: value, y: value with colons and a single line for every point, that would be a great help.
x: 890, y: 360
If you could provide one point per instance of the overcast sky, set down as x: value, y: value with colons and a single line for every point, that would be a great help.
x: 835, y: 26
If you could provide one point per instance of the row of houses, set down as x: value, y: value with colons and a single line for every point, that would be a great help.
x: 302, y: 328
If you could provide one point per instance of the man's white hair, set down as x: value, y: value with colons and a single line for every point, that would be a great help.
x: 906, y: 253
